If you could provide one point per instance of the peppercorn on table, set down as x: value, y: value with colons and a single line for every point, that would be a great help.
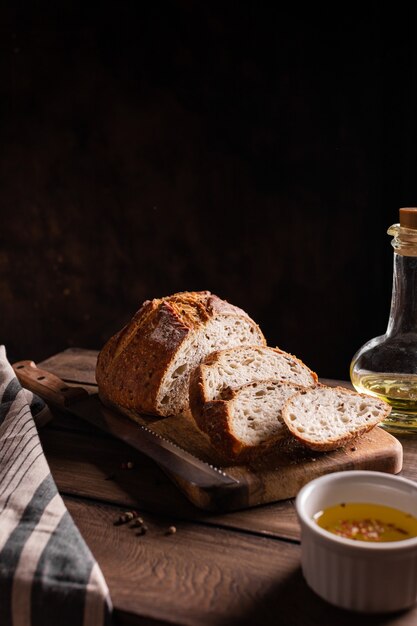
x: 167, y: 562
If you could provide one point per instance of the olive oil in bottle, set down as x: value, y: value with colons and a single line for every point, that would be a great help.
x: 386, y: 366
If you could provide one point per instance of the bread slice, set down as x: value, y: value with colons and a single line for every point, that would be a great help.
x: 326, y: 418
x: 146, y: 366
x: 249, y: 421
x: 232, y: 368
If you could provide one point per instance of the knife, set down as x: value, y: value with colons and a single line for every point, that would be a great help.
x: 170, y: 457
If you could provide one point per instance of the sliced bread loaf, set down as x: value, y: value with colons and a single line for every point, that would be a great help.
x: 326, y: 418
x: 248, y: 421
x: 146, y: 366
x: 232, y: 368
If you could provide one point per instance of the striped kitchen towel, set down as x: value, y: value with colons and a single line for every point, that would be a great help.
x: 48, y: 574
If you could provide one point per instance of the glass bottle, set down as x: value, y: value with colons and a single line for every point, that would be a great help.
x: 386, y: 366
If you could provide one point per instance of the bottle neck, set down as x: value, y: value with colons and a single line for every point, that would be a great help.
x: 403, y: 314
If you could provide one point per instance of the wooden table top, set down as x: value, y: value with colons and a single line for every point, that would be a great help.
x: 238, y: 568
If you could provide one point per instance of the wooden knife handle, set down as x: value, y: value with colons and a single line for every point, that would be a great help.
x: 46, y: 385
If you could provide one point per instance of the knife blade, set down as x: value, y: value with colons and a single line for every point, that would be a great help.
x: 165, y: 453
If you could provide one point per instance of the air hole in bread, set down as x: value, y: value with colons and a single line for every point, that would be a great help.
x: 247, y: 362
x: 165, y: 400
x: 300, y: 429
x: 260, y: 393
x: 180, y: 370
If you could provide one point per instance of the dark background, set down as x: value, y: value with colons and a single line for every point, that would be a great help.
x: 256, y: 151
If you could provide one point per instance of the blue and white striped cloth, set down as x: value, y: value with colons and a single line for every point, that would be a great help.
x: 48, y: 574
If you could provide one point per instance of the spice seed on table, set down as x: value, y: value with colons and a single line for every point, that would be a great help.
x: 128, y: 516
x: 138, y: 521
x: 128, y: 465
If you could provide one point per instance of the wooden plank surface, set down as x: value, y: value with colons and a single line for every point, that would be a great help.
x: 206, y: 577
x: 273, y: 477
x: 238, y: 568
x: 75, y: 365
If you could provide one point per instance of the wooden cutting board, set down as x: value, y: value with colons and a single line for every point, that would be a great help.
x: 276, y: 476
x: 281, y: 474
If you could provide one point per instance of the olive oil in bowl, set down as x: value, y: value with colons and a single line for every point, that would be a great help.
x: 363, y: 521
x: 359, y: 540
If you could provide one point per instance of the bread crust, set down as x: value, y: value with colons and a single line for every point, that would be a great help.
x: 331, y: 444
x: 198, y: 398
x: 132, y: 364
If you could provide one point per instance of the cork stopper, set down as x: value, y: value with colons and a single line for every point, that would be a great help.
x: 408, y: 217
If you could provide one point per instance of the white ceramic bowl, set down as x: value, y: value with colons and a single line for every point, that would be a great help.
x: 358, y: 575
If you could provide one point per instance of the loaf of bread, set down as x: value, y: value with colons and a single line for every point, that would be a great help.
x: 146, y: 366
x: 232, y: 368
x: 193, y: 352
x: 248, y: 422
x: 327, y: 418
